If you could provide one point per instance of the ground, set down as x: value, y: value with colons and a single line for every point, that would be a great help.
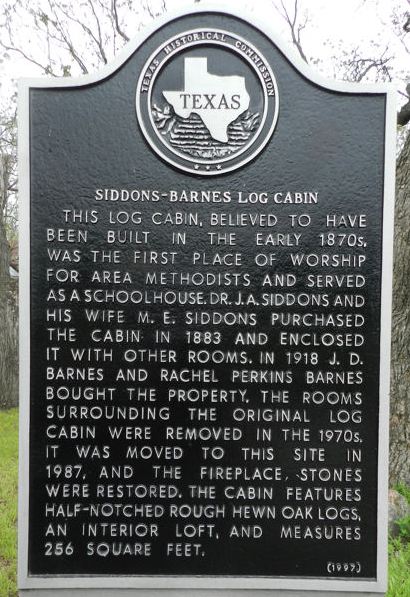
x: 8, y: 501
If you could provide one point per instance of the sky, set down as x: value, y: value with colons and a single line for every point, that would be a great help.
x: 333, y: 26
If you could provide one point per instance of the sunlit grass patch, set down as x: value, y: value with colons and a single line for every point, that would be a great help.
x: 8, y: 501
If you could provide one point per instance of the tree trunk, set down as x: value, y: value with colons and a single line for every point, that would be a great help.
x: 8, y: 319
x: 400, y: 373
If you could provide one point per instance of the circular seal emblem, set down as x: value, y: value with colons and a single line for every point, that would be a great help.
x: 207, y: 101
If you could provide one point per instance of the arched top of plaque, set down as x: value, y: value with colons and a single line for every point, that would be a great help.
x: 211, y: 86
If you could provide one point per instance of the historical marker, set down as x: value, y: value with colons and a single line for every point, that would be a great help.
x: 206, y: 264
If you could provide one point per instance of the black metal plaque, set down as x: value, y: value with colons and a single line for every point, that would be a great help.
x: 205, y: 304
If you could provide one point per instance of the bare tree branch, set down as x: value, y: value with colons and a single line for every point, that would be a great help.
x: 403, y: 117
x: 46, y: 68
x: 295, y: 27
x: 65, y: 37
x: 357, y: 67
x: 99, y: 41
x: 116, y: 21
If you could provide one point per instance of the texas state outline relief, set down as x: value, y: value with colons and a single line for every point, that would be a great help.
x: 217, y: 100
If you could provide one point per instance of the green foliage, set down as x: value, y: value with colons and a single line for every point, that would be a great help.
x: 404, y: 490
x: 399, y: 566
x: 8, y: 501
x: 404, y: 523
x: 404, y: 528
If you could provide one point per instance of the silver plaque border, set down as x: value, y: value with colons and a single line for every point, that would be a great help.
x: 212, y: 586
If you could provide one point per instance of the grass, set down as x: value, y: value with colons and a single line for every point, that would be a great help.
x: 399, y: 556
x: 399, y: 569
x: 399, y: 549
x: 404, y: 490
x: 8, y: 501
